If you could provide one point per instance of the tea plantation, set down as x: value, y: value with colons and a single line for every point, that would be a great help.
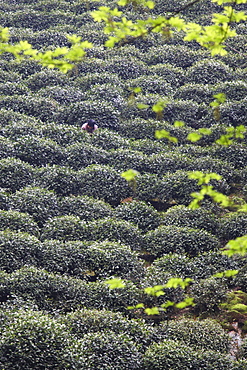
x: 69, y: 221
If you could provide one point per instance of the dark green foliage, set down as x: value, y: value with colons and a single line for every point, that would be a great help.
x: 81, y: 155
x: 10, y: 118
x: 198, y: 218
x: 13, y: 88
x: 6, y: 147
x: 176, y: 55
x: 91, y: 261
x: 25, y: 68
x: 144, y: 216
x: 3, y: 199
x: 235, y: 154
x: 166, y: 162
x: 64, y: 228
x: 149, y: 187
x: 174, y: 239
x: 177, y: 188
x: 15, y: 174
x: 148, y: 146
x: 123, y: 159
x: 6, y: 76
x: 234, y: 90
x: 154, y: 84
x: 103, y: 182
x: 106, y: 139
x: 243, y: 349
x: 234, y: 113
x: 33, y: 340
x: 39, y: 203
x: 170, y: 353
x: 196, y: 92
x: 209, y: 71
x: 109, y: 351
x: 138, y: 128
x: 86, y: 321
x: 108, y: 92
x: 86, y: 82
x: 193, y: 114
x: 85, y: 207
x: 17, y: 250
x: 63, y: 180
x: 113, y: 230
x: 53, y: 292
x: 102, y: 112
x: 208, y: 294
x: 126, y: 69
x: 173, y: 75
x: 62, y: 94
x: 46, y: 78
x: 234, y: 226
x: 17, y: 221
x: 43, y: 108
x: 205, y: 334
x: 39, y: 151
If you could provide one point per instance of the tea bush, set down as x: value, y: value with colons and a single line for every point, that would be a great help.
x: 105, y: 183
x: 139, y: 128
x: 62, y: 94
x: 141, y: 214
x: 36, y: 341
x: 109, y: 93
x: 64, y: 228
x: 123, y: 159
x: 171, y: 74
x: 199, y: 218
x: 170, y: 353
x: 106, y: 139
x: 85, y: 207
x: 91, y: 260
x: 208, y: 294
x: 171, y: 54
x: 209, y: 71
x: 7, y: 148
x: 17, y: 249
x: 87, y: 81
x: 197, y: 334
x: 13, y: 88
x: 15, y: 174
x: 234, y: 226
x: 109, y: 351
x: 17, y: 221
x: 235, y: 155
x: 42, y: 108
x: 234, y: 90
x: 154, y: 84
x: 63, y: 180
x: 9, y: 117
x: 86, y: 321
x: 46, y: 78
x: 163, y: 163
x: 174, y: 239
x: 38, y: 202
x: 55, y: 293
x: 126, y: 69
x: 81, y: 155
x: 233, y: 113
x: 102, y: 112
x: 149, y: 187
x: 25, y: 68
x: 199, y: 93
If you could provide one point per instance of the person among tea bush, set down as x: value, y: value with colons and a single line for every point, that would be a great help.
x: 90, y: 126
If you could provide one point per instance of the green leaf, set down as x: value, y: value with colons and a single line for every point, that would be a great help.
x: 179, y: 124
x: 186, y: 303
x: 236, y: 246
x: 152, y: 311
x: 142, y: 106
x: 227, y: 273
x: 115, y: 283
x: 130, y: 175
x: 178, y: 282
x: 193, y: 137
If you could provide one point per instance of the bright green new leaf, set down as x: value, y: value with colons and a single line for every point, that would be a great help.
x: 186, y: 303
x: 236, y: 246
x: 115, y: 283
x: 179, y: 124
x: 129, y: 175
x: 227, y: 273
x: 152, y: 311
x: 142, y: 106
x: 178, y: 282
x: 193, y: 137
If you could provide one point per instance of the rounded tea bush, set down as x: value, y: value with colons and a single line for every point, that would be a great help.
x: 197, y: 334
x: 86, y: 321
x: 234, y: 225
x: 208, y: 294
x: 17, y: 221
x: 107, y: 139
x: 39, y: 151
x: 171, y: 74
x: 81, y: 155
x: 175, y: 239
x: 109, y: 351
x: 17, y: 249
x: 6, y: 146
x: 105, y: 183
x: 64, y: 228
x: 38, y: 202
x: 141, y: 214
x: 209, y: 71
x: 199, y: 93
x: 15, y: 174
x: 33, y: 340
x: 56, y: 293
x: 85, y: 207
x: 49, y: 77
x: 91, y: 260
x: 61, y: 94
x: 199, y: 218
x: 63, y: 180
x: 169, y: 353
